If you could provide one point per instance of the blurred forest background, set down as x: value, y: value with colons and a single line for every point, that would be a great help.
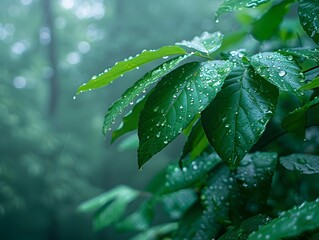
x: 53, y: 155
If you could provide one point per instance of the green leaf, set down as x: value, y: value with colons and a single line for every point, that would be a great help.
x: 140, y: 86
x: 251, y: 185
x: 155, y: 233
x: 308, y: 15
x: 176, y: 203
x: 99, y: 201
x: 290, y: 223
x: 238, y: 116
x: 130, y: 142
x: 280, y: 70
x: 206, y: 43
x: 303, y: 163
x: 193, y: 171
x: 313, y: 84
x: 129, y: 121
x: 175, y: 101
x: 196, y: 142
x: 246, y: 228
x: 120, y: 68
x: 296, y: 121
x: 233, y: 5
x: 301, y: 54
x: 265, y: 27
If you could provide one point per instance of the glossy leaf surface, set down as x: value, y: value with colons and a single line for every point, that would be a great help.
x: 139, y: 87
x: 309, y: 18
x: 206, y: 43
x: 121, y: 68
x: 303, y: 163
x: 175, y: 101
x: 239, y: 114
x: 301, y: 54
x: 290, y: 223
x: 280, y: 70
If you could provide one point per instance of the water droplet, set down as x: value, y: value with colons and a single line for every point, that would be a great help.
x: 282, y: 73
x: 74, y: 97
x: 290, y: 58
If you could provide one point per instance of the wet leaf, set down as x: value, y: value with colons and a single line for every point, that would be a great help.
x: 139, y: 87
x: 302, y: 54
x: 265, y: 27
x: 313, y: 84
x: 303, y: 163
x: 296, y: 121
x: 280, y: 70
x: 309, y: 18
x: 120, y: 68
x: 206, y: 43
x: 290, y: 223
x: 239, y: 114
x: 175, y: 101
x: 246, y: 228
x: 233, y: 5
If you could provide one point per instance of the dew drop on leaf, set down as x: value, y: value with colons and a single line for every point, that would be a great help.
x: 282, y: 73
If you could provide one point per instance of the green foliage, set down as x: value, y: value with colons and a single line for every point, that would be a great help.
x: 237, y: 109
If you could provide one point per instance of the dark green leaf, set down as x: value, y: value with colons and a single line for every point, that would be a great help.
x: 140, y: 86
x: 313, y: 84
x: 296, y: 121
x: 301, y: 54
x: 237, y: 117
x: 290, y: 223
x: 196, y: 142
x: 304, y: 163
x: 176, y: 203
x: 155, y: 233
x: 233, y: 5
x: 265, y: 27
x: 280, y: 70
x: 130, y: 121
x: 193, y: 171
x: 206, y: 43
x: 246, y: 228
x: 175, y: 101
x: 308, y: 15
x: 127, y: 65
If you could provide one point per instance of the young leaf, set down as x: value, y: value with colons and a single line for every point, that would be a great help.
x: 290, y: 223
x: 264, y: 27
x: 130, y: 121
x: 246, y: 228
x: 308, y: 15
x: 304, y: 163
x: 196, y: 142
x: 130, y: 94
x: 206, y: 43
x: 296, y: 121
x: 175, y: 101
x: 127, y: 65
x: 237, y: 117
x: 301, y: 54
x: 313, y: 84
x: 233, y: 5
x: 280, y: 70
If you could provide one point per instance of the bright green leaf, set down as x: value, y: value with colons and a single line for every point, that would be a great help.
x: 206, y: 43
x: 290, y: 223
x: 237, y: 117
x: 233, y: 5
x: 296, y: 120
x: 313, y: 84
x: 304, y: 163
x: 308, y: 15
x: 175, y: 101
x: 282, y: 71
x: 127, y: 65
x: 140, y: 86
x: 265, y: 27
x: 246, y: 228
x: 156, y: 232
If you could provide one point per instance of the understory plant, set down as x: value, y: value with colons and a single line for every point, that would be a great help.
x: 249, y: 167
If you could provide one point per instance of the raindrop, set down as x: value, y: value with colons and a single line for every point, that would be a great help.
x: 282, y: 73
x: 74, y: 97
